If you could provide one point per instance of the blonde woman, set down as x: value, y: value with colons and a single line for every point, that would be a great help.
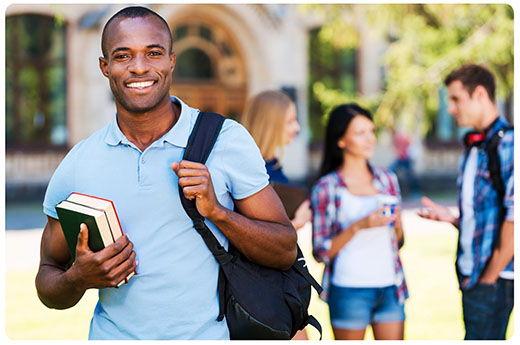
x: 271, y: 118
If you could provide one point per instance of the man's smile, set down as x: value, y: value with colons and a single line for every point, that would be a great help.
x: 140, y: 85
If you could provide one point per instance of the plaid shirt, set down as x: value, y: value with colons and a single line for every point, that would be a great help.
x: 485, y: 204
x: 326, y: 204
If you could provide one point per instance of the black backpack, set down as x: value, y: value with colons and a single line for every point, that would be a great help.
x: 258, y: 302
x: 494, y: 166
x: 495, y: 172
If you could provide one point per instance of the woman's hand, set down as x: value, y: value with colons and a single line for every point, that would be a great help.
x: 376, y: 219
x: 302, y: 215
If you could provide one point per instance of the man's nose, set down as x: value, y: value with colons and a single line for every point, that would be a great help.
x: 139, y: 65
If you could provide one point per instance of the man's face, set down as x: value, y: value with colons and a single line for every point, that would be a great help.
x: 138, y: 64
x: 464, y: 107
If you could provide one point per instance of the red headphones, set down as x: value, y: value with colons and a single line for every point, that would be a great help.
x: 473, y: 139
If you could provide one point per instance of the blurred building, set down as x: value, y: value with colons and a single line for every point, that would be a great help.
x: 57, y: 96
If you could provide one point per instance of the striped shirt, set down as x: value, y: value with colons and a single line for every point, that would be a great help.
x: 326, y: 203
x: 485, y: 203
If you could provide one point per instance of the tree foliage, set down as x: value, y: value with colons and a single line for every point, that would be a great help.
x: 423, y: 42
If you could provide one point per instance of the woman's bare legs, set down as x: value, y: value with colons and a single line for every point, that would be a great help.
x: 388, y: 330
x: 348, y: 334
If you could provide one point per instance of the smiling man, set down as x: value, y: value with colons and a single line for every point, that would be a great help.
x: 486, y: 203
x: 135, y: 161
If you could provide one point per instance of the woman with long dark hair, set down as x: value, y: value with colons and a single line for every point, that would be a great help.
x: 357, y: 231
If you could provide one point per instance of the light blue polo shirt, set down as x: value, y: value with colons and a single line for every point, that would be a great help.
x: 174, y: 294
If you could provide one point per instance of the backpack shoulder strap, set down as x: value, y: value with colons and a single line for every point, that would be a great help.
x: 494, y: 165
x: 203, y: 137
x: 200, y: 143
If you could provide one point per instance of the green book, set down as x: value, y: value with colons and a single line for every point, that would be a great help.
x: 71, y: 215
x: 98, y: 214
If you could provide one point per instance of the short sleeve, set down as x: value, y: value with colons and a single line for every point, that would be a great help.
x: 60, y: 185
x: 242, y: 161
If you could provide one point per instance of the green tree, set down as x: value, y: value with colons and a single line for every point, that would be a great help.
x: 423, y: 43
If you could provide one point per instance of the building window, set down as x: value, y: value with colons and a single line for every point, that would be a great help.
x: 193, y: 63
x: 35, y: 82
x: 205, y: 33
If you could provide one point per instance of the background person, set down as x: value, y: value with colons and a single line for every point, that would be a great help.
x: 363, y: 280
x: 485, y: 250
x: 271, y: 118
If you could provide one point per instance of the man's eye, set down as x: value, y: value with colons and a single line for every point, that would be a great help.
x: 155, y: 53
x: 121, y: 56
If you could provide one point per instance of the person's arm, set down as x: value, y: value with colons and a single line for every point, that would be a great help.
x: 502, y: 255
x: 399, y: 227
x: 61, y: 285
x: 374, y: 219
x: 260, y: 229
x: 302, y: 215
x: 434, y: 211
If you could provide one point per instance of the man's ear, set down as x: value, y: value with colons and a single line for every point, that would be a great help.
x: 480, y: 92
x: 103, y: 66
x: 173, y: 59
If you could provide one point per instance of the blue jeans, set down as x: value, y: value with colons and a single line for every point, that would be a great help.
x: 356, y: 308
x: 487, y: 309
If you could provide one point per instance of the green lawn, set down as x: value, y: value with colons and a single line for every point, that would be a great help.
x: 433, y: 310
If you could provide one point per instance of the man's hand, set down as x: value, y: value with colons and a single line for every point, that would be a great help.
x: 259, y: 228
x: 105, y: 268
x: 436, y: 212
x: 60, y: 286
x: 195, y: 180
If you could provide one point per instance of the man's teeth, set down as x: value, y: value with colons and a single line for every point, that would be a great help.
x: 141, y: 84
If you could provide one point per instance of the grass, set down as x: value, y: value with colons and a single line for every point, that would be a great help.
x: 433, y: 310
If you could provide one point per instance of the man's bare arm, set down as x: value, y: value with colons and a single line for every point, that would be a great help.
x: 61, y: 285
x: 260, y: 229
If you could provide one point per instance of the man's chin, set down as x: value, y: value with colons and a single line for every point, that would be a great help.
x: 139, y: 107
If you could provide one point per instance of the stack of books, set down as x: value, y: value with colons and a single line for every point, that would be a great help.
x: 100, y: 217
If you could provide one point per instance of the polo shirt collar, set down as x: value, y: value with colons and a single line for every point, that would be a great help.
x: 177, y: 136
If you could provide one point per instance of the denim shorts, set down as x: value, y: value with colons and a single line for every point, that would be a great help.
x: 356, y: 308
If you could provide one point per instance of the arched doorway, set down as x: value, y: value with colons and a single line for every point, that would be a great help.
x: 210, y: 71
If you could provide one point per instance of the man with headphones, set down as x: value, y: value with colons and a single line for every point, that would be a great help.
x: 485, y: 251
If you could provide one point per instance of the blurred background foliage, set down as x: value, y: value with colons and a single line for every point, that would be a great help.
x: 424, y: 42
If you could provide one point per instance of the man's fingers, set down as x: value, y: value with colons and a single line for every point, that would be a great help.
x: 192, y: 181
x: 184, y: 164
x: 82, y: 245
x: 114, y: 249
x: 191, y: 192
x: 427, y: 202
x: 185, y: 172
x: 122, y: 263
x: 175, y: 167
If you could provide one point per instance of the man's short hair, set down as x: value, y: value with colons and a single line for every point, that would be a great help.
x: 471, y: 76
x: 133, y: 12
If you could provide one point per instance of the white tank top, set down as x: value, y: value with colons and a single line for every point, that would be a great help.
x: 367, y: 259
